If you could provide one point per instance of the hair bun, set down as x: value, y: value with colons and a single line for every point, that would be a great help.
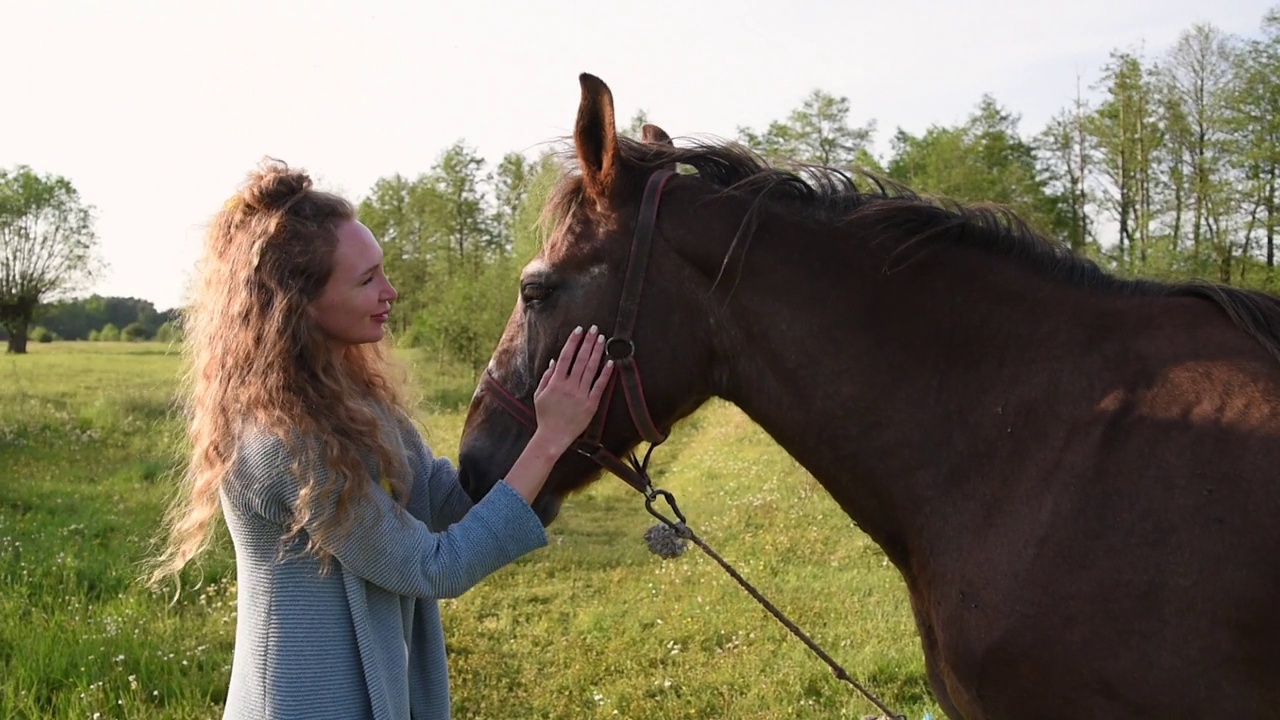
x: 274, y: 186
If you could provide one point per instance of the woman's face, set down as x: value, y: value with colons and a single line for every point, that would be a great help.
x: 356, y: 301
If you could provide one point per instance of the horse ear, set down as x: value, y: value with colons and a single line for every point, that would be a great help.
x: 595, y: 136
x: 653, y: 134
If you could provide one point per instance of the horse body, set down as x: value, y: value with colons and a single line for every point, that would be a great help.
x: 1074, y: 474
x: 1010, y: 476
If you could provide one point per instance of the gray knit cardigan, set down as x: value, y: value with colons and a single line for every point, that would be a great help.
x: 364, y: 640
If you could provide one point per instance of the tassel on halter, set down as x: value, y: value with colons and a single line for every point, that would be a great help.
x: 664, y: 541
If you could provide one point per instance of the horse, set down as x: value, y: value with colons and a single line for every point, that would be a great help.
x: 1075, y: 474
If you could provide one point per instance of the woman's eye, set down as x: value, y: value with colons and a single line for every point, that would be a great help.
x: 534, y: 293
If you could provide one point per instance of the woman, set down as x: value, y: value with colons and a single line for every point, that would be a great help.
x: 346, y: 529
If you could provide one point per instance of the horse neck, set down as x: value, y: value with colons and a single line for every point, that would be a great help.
x: 869, y: 379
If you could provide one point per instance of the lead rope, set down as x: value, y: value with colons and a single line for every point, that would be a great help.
x: 667, y: 540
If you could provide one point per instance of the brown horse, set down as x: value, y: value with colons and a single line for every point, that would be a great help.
x: 1075, y: 474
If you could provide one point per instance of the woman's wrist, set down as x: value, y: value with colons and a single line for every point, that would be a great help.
x: 545, y: 443
x: 531, y: 469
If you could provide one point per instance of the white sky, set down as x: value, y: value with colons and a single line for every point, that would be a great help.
x: 157, y: 110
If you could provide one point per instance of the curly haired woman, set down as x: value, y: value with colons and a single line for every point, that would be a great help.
x: 346, y: 529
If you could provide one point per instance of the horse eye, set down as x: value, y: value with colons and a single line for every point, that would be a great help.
x: 534, y: 293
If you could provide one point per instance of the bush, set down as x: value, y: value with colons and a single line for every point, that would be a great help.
x: 169, y: 332
x: 93, y: 336
x: 41, y: 335
x: 135, y: 332
x: 109, y: 333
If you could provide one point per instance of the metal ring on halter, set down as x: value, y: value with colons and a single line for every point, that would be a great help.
x: 630, y: 348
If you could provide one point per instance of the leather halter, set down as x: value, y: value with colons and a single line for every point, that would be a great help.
x: 621, y: 348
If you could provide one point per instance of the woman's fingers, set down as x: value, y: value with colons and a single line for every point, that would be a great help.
x: 580, y: 358
x: 588, y: 359
x: 602, y: 382
x: 565, y: 361
x: 546, y: 377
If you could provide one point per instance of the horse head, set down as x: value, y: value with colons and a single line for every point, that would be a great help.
x: 604, y: 231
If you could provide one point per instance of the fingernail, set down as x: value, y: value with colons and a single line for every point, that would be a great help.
x: 599, y: 338
x: 577, y: 330
x: 553, y: 363
x: 609, y: 363
x: 594, y: 329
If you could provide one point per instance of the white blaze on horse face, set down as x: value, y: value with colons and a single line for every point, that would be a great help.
x: 596, y: 271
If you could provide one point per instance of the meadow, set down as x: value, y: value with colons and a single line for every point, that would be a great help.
x: 592, y: 626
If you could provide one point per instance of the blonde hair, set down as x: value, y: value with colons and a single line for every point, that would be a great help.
x: 256, y: 359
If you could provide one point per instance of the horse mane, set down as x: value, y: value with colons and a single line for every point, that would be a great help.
x: 826, y: 194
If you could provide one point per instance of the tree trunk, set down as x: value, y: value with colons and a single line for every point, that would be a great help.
x: 1271, y: 219
x: 15, y: 316
x: 17, y: 339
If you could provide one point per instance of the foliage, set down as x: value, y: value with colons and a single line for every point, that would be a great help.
x: 134, y: 332
x: 817, y: 133
x: 169, y: 332
x: 47, y: 246
x: 983, y: 160
x: 74, y: 318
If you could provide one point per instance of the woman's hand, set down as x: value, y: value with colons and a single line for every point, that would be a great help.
x: 565, y: 401
x: 569, y: 391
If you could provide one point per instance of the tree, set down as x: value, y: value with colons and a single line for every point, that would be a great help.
x: 511, y: 189
x: 447, y: 236
x: 399, y: 212
x: 527, y: 229
x: 73, y: 319
x: 461, y: 180
x: 1066, y: 153
x: 818, y: 133
x: 984, y: 160
x: 1256, y: 124
x: 1197, y: 77
x: 47, y: 246
x: 1126, y: 132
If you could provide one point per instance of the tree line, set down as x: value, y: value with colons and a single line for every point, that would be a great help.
x: 1169, y: 172
x: 103, y: 318
x: 1169, y: 169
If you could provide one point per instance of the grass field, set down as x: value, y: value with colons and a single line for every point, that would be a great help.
x: 592, y: 626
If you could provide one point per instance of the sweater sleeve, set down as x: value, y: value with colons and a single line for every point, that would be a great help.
x: 437, y: 498
x: 394, y: 550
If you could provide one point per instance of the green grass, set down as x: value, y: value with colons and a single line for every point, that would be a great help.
x: 592, y: 626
